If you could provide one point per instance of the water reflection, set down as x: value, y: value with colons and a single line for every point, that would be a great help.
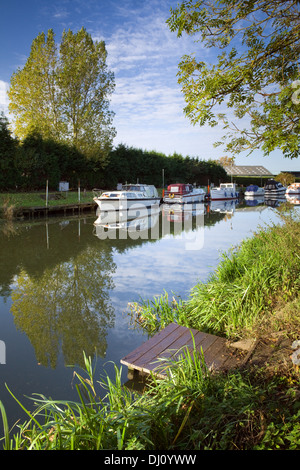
x: 60, y: 290
x: 293, y: 199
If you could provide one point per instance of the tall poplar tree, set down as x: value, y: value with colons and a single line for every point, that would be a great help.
x: 63, y: 93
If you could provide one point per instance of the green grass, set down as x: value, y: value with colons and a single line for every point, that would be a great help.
x: 193, y: 410
x: 248, y: 283
x: 38, y: 199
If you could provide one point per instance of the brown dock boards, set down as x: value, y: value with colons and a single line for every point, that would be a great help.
x: 166, y: 343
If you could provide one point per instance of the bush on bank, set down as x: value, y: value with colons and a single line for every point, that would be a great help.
x: 253, y: 408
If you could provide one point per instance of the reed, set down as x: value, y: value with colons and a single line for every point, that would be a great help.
x: 192, y: 410
x: 7, y: 209
x: 249, y: 282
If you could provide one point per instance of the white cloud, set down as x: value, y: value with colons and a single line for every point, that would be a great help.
x: 144, y: 55
x: 3, y: 97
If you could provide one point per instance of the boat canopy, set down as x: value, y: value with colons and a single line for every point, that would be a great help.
x: 272, y: 184
x: 180, y: 188
x: 148, y: 189
x: 123, y: 195
x: 252, y: 187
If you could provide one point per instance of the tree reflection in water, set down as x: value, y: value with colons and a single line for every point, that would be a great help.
x: 67, y: 308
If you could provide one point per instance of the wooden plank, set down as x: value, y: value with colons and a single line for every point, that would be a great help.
x: 215, y: 355
x: 150, y: 343
x: 203, y: 342
x: 150, y: 354
x: 154, y: 355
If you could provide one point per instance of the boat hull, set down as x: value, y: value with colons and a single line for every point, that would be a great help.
x: 255, y: 193
x: 116, y: 205
x: 275, y: 192
x: 217, y: 195
x: 185, y: 198
x: 293, y: 190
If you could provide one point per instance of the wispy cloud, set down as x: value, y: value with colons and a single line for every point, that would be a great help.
x: 3, y: 97
x: 144, y: 56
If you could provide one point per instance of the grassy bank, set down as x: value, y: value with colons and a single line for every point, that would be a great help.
x: 9, y: 202
x: 251, y: 281
x: 253, y: 292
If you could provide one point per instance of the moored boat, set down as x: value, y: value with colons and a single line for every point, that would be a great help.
x: 254, y: 190
x: 224, y: 191
x: 131, y: 197
x: 274, y: 188
x: 183, y: 193
x: 293, y: 189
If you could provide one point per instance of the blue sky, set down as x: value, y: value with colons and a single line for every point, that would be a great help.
x: 142, y: 53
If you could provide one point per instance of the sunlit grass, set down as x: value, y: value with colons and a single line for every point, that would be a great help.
x: 249, y: 282
x: 38, y: 199
x: 192, y: 410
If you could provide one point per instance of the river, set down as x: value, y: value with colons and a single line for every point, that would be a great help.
x: 65, y: 285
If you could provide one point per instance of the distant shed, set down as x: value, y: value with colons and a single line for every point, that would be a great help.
x: 247, y: 170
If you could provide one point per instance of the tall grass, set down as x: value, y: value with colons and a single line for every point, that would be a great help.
x: 192, y: 410
x: 245, y: 287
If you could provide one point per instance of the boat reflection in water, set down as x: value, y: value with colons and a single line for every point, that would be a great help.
x: 182, y: 212
x: 185, y: 221
x: 274, y: 201
x: 135, y: 223
x: 254, y: 200
x: 293, y: 198
x: 223, y: 206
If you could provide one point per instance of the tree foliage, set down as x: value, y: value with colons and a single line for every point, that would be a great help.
x: 63, y: 93
x: 28, y: 164
x: 8, y: 147
x: 254, y: 75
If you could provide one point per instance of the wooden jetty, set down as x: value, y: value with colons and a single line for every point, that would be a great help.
x: 44, y: 211
x: 153, y: 355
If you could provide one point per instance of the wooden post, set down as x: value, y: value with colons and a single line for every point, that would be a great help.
x: 46, y: 193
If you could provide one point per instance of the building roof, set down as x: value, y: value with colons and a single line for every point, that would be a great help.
x: 247, y: 170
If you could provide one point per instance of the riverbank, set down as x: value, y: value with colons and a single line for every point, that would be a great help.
x: 36, y: 204
x: 252, y: 294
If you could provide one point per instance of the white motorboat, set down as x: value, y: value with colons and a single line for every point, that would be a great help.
x: 254, y: 191
x: 224, y: 191
x: 183, y: 193
x: 293, y: 189
x: 131, y: 197
x: 274, y: 188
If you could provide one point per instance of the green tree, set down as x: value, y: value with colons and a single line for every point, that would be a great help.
x: 64, y: 94
x: 285, y: 178
x: 8, y: 146
x: 34, y: 96
x: 255, y: 72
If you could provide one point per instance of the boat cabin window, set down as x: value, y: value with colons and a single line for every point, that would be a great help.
x: 133, y: 187
x: 178, y: 188
x: 174, y: 189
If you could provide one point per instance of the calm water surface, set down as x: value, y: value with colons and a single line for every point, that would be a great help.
x: 65, y: 286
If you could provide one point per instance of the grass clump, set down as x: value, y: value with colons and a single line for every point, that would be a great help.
x: 20, y: 200
x: 251, y: 281
x: 191, y: 410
